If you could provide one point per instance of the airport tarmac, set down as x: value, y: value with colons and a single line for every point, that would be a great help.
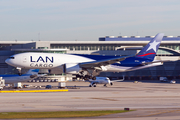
x: 150, y: 99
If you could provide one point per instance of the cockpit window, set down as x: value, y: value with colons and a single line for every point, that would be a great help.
x: 11, y: 57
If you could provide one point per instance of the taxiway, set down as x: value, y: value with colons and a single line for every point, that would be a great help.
x: 150, y: 100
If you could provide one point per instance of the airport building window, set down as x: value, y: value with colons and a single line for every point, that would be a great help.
x: 166, y: 52
x: 100, y: 47
x: 103, y: 47
x: 82, y: 47
x: 42, y: 47
x: 76, y: 48
x: 91, y: 47
x: 62, y: 52
x: 174, y: 47
x: 3, y: 65
x: 177, y: 47
x: 86, y: 47
x: 71, y: 48
x: 106, y: 47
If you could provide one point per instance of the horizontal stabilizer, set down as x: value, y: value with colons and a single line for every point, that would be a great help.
x: 157, y: 61
x: 118, y: 80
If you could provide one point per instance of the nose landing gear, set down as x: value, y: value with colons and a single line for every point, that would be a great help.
x: 92, y: 85
x: 19, y: 71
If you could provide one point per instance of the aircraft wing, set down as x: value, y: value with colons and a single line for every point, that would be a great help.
x: 92, y: 81
x: 102, y: 62
x: 41, y: 75
x: 118, y: 80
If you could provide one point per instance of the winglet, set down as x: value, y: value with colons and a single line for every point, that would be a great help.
x: 150, y: 50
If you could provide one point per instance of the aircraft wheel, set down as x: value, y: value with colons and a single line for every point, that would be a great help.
x: 93, y: 78
x: 94, y: 85
x: 86, y: 77
x: 78, y: 76
x: 19, y: 74
x: 81, y: 77
x: 90, y: 85
x: 105, y: 85
x: 111, y: 83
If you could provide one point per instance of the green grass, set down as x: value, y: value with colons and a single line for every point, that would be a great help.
x: 57, y: 114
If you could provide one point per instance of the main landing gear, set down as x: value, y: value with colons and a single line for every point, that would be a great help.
x: 88, y: 74
x: 92, y: 85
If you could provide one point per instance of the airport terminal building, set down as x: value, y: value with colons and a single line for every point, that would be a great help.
x: 109, y: 45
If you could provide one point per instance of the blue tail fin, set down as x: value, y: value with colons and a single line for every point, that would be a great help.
x: 149, y: 51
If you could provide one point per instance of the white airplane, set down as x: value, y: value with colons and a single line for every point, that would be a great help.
x: 89, y: 66
x: 102, y: 80
x: 30, y: 75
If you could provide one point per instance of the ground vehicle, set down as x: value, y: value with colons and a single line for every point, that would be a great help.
x: 48, y: 86
x: 2, y: 83
x: 163, y: 79
x: 62, y: 84
x: 26, y: 86
x: 172, y: 81
x: 17, y: 85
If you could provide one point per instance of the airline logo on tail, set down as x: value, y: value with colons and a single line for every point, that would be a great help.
x: 145, y: 54
x: 151, y: 48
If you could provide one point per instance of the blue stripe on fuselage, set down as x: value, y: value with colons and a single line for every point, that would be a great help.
x: 132, y: 62
x: 97, y: 57
x: 128, y: 62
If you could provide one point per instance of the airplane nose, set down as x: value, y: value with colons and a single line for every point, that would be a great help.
x: 7, y: 61
x: 109, y: 82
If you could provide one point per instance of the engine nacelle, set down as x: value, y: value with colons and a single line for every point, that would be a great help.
x: 72, y: 68
x: 33, y: 76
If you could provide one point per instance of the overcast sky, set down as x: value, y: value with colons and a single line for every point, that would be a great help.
x: 62, y: 20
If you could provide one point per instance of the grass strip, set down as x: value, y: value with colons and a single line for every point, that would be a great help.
x: 57, y: 114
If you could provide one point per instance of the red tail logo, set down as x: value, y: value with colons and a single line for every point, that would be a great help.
x: 145, y: 54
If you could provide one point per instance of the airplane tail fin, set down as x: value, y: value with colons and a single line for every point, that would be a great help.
x: 149, y: 51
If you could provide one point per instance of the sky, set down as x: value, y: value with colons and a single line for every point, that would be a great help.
x: 86, y: 20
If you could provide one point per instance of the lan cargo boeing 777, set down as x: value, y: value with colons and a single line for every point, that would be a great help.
x: 89, y: 66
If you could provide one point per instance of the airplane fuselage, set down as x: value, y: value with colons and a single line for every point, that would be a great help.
x: 52, y: 60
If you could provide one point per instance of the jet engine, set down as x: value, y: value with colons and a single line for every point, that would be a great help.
x: 33, y: 76
x: 71, y: 68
